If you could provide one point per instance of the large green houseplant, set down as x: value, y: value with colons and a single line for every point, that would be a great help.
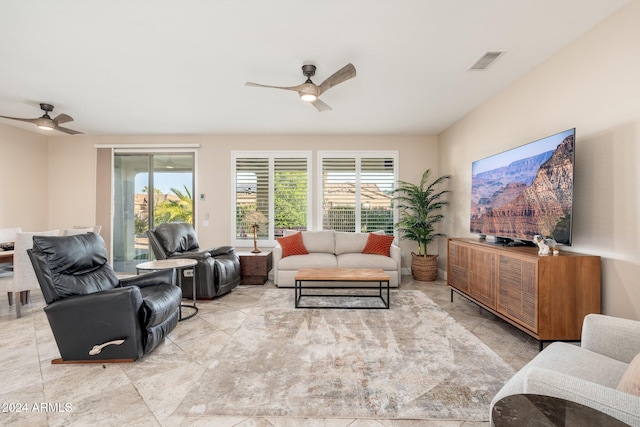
x: 419, y: 207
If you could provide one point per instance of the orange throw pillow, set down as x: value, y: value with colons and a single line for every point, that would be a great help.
x: 292, y: 245
x: 378, y: 244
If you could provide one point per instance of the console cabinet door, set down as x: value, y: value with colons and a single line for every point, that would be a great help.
x: 518, y: 290
x: 483, y: 277
x: 473, y: 272
x: 458, y: 263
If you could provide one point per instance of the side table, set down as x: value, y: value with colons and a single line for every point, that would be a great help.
x: 178, y: 265
x: 255, y: 267
x: 538, y: 410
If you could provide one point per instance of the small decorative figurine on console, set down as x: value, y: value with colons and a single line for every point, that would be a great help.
x: 546, y: 245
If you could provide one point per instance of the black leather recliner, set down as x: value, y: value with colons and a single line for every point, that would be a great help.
x: 218, y: 269
x: 93, y: 314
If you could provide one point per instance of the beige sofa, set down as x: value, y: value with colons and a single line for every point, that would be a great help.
x: 588, y: 374
x: 333, y: 249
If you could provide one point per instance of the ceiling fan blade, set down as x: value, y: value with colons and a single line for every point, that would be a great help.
x: 62, y: 118
x: 345, y: 73
x: 22, y: 120
x: 321, y: 106
x: 67, y: 130
x: 296, y: 88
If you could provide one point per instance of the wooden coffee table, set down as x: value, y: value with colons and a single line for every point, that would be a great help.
x: 342, y: 277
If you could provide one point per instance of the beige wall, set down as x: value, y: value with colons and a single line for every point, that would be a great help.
x: 24, y: 178
x: 593, y: 85
x: 72, y: 164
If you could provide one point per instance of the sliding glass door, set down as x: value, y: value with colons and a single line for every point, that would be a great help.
x: 149, y: 189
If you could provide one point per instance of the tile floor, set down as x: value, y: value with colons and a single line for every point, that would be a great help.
x: 125, y: 394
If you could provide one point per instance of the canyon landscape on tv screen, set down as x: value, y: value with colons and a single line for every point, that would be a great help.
x: 526, y: 191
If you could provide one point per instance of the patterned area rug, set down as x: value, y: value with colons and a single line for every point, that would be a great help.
x: 412, y: 361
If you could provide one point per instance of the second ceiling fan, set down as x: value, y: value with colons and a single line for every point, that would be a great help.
x: 309, y: 91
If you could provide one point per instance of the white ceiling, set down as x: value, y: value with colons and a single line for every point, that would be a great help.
x: 123, y: 67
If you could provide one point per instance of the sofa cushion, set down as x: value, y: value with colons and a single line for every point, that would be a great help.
x: 630, y: 381
x: 292, y: 245
x: 347, y: 243
x: 378, y: 244
x: 367, y: 261
x: 319, y: 241
x: 312, y: 260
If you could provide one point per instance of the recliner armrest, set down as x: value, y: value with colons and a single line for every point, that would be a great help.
x: 611, y: 336
x: 620, y: 405
x: 127, y: 298
x: 149, y: 279
x: 221, y: 250
x: 197, y: 255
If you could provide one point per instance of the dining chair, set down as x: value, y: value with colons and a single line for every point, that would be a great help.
x: 95, y: 228
x: 7, y: 242
x: 24, y: 278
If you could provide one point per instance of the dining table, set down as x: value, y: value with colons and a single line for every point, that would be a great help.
x: 6, y: 256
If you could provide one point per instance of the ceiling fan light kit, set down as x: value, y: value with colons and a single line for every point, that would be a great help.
x: 309, y: 91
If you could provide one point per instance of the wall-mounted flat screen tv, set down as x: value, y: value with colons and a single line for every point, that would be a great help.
x: 525, y: 191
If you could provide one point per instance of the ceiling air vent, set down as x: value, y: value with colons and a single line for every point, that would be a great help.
x: 487, y: 59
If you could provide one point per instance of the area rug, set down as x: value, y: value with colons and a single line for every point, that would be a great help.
x: 413, y: 361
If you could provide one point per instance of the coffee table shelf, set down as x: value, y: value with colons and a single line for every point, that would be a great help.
x: 311, y: 276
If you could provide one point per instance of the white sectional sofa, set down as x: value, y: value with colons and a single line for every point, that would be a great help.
x: 333, y: 249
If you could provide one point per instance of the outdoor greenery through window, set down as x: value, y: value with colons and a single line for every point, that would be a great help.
x: 276, y: 185
x: 149, y: 189
x: 357, y: 191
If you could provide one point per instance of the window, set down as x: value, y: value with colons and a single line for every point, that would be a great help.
x: 357, y: 191
x: 275, y: 184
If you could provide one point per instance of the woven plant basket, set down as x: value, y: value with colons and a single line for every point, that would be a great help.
x: 424, y: 268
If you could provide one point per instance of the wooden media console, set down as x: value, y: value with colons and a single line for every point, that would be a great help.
x: 546, y: 296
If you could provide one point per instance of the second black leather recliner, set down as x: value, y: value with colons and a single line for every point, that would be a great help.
x: 218, y: 269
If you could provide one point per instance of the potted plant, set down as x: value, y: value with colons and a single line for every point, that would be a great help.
x: 419, y: 207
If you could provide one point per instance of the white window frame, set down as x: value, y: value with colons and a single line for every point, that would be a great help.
x: 271, y: 155
x: 358, y: 156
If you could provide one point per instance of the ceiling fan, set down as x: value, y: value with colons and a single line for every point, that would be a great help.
x: 47, y: 123
x: 309, y: 91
